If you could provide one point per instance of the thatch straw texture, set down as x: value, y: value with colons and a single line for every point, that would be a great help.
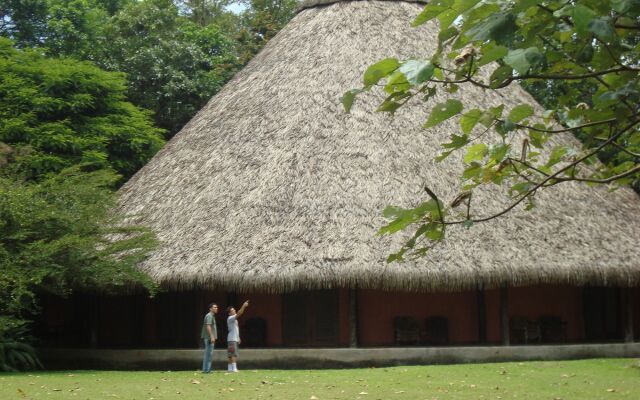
x: 272, y: 187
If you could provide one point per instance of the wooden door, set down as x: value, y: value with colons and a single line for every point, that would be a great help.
x: 602, y: 320
x: 310, y: 318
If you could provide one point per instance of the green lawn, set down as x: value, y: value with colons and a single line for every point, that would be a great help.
x: 588, y: 379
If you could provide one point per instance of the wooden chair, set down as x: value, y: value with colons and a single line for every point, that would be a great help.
x: 553, y: 329
x: 406, y: 331
x: 524, y: 331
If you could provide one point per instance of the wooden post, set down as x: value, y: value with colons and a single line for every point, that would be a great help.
x: 627, y: 301
x: 353, y: 317
x: 504, y: 314
x: 482, y: 314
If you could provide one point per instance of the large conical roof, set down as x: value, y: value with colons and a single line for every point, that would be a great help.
x: 273, y: 187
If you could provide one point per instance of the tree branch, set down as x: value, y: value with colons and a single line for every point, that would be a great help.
x: 554, y: 176
x: 575, y: 128
x: 610, y: 179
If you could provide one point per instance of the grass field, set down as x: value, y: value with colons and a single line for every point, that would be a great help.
x: 587, y: 379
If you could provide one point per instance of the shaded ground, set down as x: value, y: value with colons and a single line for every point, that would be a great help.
x: 585, y: 379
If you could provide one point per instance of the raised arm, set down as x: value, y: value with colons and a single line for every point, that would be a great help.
x: 241, y: 310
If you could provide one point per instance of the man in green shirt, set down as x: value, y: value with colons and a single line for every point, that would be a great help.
x: 209, y: 335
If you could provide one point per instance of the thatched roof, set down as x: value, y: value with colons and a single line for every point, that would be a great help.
x: 272, y: 187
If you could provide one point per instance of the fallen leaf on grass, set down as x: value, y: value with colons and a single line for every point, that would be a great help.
x: 313, y: 398
x: 195, y: 382
x: 363, y: 393
x: 611, y: 390
x: 399, y: 391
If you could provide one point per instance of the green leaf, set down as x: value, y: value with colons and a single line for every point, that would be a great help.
x: 500, y: 75
x: 520, y: 188
x: 537, y: 138
x: 389, y: 106
x: 434, y: 231
x: 505, y: 126
x: 530, y: 203
x: 447, y: 34
x: 585, y: 54
x: 392, y: 211
x: 556, y: 155
x: 443, y: 155
x: 524, y: 59
x: 475, y: 153
x: 432, y: 10
x: 492, y: 52
x: 348, y: 98
x: 472, y: 171
x: 523, y: 5
x: 379, y: 70
x: 443, y: 111
x: 499, y: 27
x: 603, y: 28
x: 497, y: 152
x: 497, y: 110
x: 582, y: 16
x: 489, y: 116
x: 469, y: 120
x: 417, y: 71
x: 520, y: 112
x: 395, y: 225
x: 396, y: 83
x: 459, y: 6
x: 457, y: 141
x: 405, y: 217
x: 624, y: 6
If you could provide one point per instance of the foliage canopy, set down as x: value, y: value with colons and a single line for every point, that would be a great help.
x: 57, y: 113
x: 173, y: 65
x: 61, y: 234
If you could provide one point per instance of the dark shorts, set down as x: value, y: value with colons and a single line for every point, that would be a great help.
x: 232, y: 349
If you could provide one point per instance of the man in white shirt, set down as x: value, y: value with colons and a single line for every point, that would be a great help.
x: 233, y: 337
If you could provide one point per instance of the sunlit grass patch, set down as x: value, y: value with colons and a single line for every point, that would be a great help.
x: 585, y: 379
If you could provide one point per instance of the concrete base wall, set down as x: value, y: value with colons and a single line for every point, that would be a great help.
x: 326, y: 358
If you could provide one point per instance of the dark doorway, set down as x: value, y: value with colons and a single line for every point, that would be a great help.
x: 602, y: 320
x: 310, y: 318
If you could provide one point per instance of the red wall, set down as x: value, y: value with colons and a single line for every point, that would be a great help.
x: 376, y: 310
